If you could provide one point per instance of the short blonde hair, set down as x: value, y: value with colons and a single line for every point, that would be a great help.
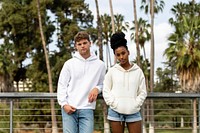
x: 81, y: 35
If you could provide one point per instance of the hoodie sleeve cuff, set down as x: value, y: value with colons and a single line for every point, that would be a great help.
x: 99, y: 90
x: 113, y: 105
x: 64, y: 103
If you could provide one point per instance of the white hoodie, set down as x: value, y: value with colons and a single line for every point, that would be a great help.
x: 124, y: 90
x: 77, y: 78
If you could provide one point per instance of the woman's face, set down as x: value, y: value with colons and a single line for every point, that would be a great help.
x: 121, y: 54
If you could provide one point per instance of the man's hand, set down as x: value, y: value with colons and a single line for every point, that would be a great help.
x: 93, y: 95
x: 69, y: 109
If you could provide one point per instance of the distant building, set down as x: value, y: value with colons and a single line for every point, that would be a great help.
x: 23, y: 85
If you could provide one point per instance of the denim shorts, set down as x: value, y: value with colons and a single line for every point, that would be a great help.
x: 115, y: 116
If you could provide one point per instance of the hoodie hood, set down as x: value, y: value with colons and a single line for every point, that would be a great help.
x: 134, y: 67
x: 91, y: 58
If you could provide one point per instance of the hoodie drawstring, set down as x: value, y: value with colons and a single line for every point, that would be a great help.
x: 126, y: 78
x: 128, y: 81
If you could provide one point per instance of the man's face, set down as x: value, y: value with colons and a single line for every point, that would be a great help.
x: 83, y: 46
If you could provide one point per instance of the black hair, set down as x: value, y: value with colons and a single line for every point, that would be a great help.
x: 118, y: 40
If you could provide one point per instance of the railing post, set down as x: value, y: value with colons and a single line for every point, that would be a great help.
x: 194, y: 115
x: 199, y: 112
x: 11, y: 115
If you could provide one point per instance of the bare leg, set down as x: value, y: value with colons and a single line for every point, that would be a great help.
x: 134, y: 127
x: 117, y: 126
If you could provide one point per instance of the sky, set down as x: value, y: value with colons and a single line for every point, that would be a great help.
x: 162, y: 29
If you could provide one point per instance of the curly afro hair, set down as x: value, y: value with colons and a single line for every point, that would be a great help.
x: 118, y: 40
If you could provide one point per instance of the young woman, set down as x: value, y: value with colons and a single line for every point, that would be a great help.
x: 124, y: 89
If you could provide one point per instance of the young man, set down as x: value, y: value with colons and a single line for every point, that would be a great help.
x: 80, y: 82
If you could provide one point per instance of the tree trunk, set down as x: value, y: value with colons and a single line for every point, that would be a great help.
x: 151, y: 126
x: 136, y: 34
x: 182, y: 122
x: 53, y: 116
x: 112, y: 16
x: 108, y: 57
x: 106, y: 123
x: 194, y: 116
x: 151, y: 113
x: 113, y: 23
x: 143, y: 120
x: 6, y: 84
x: 99, y: 26
x: 152, y: 47
x: 105, y: 120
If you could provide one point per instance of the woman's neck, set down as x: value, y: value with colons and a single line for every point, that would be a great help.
x: 126, y: 66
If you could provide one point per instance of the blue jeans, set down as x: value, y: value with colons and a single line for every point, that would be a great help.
x: 81, y: 121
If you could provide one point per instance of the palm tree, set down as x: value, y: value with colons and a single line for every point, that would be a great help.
x: 158, y: 6
x: 113, y: 23
x: 184, y: 49
x: 107, y: 32
x: 143, y: 36
x: 53, y: 116
x: 136, y: 33
x: 99, y: 25
x: 112, y: 16
x: 154, y: 8
x: 120, y: 24
x: 184, y: 46
x: 143, y: 33
x: 151, y: 125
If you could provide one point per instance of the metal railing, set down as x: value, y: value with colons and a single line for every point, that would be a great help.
x: 21, y: 112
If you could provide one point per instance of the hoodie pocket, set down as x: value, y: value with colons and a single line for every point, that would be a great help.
x: 127, y: 105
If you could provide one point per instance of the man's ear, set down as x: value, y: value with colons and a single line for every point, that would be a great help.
x: 90, y: 43
x: 75, y: 47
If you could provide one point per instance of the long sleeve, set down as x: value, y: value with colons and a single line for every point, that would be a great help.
x: 101, y: 79
x: 63, y: 81
x: 142, y: 93
x: 107, y: 94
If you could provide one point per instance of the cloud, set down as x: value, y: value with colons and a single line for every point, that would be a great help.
x: 161, y: 33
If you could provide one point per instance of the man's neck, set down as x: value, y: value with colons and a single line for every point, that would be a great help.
x: 85, y: 56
